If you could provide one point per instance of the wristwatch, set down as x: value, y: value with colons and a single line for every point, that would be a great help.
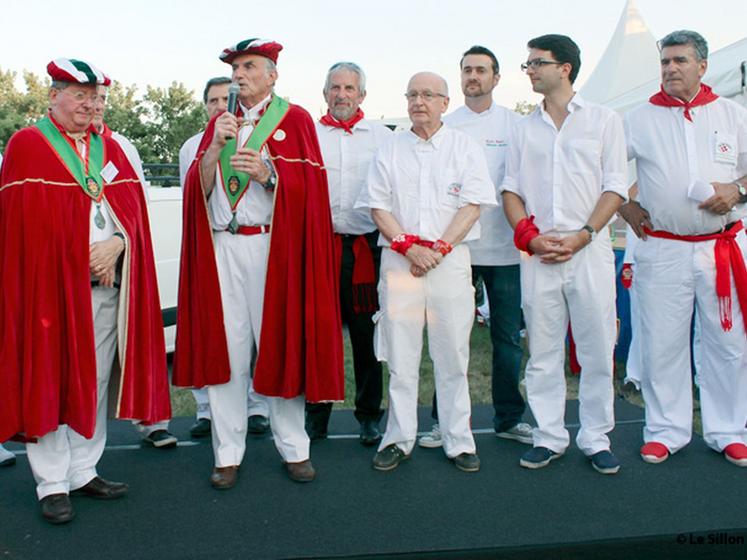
x: 272, y: 179
x: 592, y: 232
x: 742, y: 190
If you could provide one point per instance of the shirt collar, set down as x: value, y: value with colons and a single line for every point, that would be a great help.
x: 486, y: 112
x: 253, y: 114
x: 434, y: 140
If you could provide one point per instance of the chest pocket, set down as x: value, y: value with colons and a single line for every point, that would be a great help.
x: 449, y: 188
x: 725, y: 149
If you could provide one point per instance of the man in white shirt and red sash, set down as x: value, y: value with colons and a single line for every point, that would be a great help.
x: 79, y: 288
x: 690, y: 147
x: 426, y: 186
x: 215, y: 97
x: 348, y: 142
x: 565, y: 180
x: 494, y: 257
x: 258, y: 269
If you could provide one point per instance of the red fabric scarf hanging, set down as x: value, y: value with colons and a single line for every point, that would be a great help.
x: 365, y: 296
x: 704, y: 97
x: 347, y: 125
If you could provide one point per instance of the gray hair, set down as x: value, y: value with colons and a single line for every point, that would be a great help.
x: 58, y: 84
x: 686, y: 37
x: 351, y: 67
x: 270, y: 65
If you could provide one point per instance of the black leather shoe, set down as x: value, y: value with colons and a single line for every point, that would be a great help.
x: 370, y: 434
x: 257, y: 424
x: 201, y: 428
x: 57, y: 508
x: 102, y: 489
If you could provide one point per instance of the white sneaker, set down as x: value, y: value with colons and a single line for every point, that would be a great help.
x: 7, y: 458
x: 522, y: 432
x: 431, y: 439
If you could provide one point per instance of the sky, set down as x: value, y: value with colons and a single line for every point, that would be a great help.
x: 157, y: 42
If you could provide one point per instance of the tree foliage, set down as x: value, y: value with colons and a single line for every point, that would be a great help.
x: 157, y: 123
x: 524, y: 107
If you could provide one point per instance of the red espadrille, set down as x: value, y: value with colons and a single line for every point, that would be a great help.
x: 654, y: 452
x: 736, y: 453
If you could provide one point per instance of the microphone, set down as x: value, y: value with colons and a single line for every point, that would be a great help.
x: 233, y: 97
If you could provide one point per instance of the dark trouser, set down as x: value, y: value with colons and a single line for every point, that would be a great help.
x: 503, y: 286
x: 368, y: 379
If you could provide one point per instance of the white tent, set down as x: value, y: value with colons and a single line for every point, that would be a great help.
x: 630, y: 59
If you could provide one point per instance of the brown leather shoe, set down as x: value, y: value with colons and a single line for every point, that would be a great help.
x: 102, y: 489
x: 57, y: 508
x: 224, y: 478
x: 301, y: 472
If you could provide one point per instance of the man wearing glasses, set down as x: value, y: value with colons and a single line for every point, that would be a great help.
x: 425, y: 189
x: 494, y: 257
x: 690, y: 148
x: 566, y: 178
x: 79, y: 290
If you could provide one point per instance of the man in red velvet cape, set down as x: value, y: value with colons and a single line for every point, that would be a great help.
x: 79, y: 288
x: 258, y: 265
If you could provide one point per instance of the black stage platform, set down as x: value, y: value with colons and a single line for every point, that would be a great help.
x: 691, y: 506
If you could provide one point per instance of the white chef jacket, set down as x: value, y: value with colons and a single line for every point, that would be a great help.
x: 493, y: 130
x: 672, y: 153
x: 423, y: 183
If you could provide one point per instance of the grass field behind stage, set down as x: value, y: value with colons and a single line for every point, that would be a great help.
x: 479, y: 378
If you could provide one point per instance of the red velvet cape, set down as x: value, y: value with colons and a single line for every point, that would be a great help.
x: 301, y: 337
x: 47, y: 350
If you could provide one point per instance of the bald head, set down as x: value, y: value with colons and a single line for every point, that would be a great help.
x: 428, y: 81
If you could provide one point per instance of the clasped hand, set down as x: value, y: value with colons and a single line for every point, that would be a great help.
x: 102, y: 259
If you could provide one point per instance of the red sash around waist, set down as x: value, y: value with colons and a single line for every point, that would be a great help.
x: 729, y: 259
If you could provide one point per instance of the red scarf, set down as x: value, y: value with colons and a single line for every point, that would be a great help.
x: 729, y: 261
x: 347, y: 125
x: 704, y: 97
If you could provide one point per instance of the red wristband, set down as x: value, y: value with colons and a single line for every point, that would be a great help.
x: 442, y: 247
x: 524, y: 232
x: 401, y: 243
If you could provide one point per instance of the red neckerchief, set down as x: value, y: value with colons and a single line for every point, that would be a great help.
x: 347, y: 125
x: 704, y: 97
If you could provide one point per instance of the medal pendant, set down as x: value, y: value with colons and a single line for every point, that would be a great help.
x: 233, y: 226
x: 99, y: 219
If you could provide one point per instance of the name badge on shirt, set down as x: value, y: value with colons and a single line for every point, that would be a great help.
x: 490, y: 143
x: 454, y: 189
x: 109, y: 172
x: 725, y: 149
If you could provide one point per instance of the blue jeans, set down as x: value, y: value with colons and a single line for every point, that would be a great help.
x: 503, y: 286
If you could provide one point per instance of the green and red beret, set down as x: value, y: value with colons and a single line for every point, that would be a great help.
x: 76, y: 72
x: 262, y: 47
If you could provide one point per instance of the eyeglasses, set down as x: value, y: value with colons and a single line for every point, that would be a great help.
x: 80, y: 97
x: 537, y: 63
x: 425, y: 95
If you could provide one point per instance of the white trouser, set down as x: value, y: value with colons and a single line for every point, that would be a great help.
x: 672, y: 276
x: 581, y: 290
x: 242, y: 267
x: 256, y: 404
x: 63, y: 460
x: 444, y: 299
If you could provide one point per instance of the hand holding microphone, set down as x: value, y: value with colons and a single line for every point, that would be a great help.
x: 227, y: 125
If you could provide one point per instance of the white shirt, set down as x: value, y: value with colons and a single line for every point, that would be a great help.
x: 347, y: 158
x: 187, y: 154
x: 424, y: 182
x: 560, y: 174
x: 255, y: 207
x: 673, y: 153
x: 493, y: 130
